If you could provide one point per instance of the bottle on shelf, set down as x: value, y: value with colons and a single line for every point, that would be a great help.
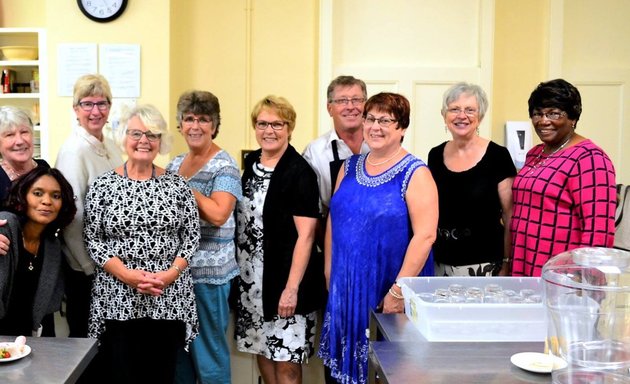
x: 8, y: 78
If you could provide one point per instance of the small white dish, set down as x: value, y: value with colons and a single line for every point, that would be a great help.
x: 537, y: 362
x: 25, y: 352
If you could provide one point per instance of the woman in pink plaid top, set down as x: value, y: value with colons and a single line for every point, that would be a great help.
x: 564, y: 196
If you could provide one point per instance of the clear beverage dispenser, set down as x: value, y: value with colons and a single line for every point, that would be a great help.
x: 587, y: 294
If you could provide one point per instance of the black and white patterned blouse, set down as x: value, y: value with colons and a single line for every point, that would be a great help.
x: 146, y: 224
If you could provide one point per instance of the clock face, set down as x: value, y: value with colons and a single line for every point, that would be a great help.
x: 102, y: 10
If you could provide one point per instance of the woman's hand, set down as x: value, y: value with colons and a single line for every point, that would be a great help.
x: 144, y: 282
x: 288, y: 302
x: 505, y: 269
x: 4, y: 241
x: 392, y: 304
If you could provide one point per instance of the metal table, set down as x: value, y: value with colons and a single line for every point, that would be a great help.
x: 404, y: 356
x: 52, y: 360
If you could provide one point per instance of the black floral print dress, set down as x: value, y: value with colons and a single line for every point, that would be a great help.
x: 282, y: 338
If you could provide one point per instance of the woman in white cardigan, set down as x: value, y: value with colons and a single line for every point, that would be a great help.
x: 84, y: 156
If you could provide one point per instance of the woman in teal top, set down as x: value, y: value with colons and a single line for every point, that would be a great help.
x: 215, y: 180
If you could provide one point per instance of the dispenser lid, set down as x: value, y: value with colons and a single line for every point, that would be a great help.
x: 605, y: 269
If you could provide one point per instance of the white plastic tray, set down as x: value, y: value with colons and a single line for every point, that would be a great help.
x: 472, y: 321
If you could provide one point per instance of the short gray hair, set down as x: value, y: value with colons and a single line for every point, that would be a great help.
x: 12, y: 117
x: 455, y: 91
x: 153, y: 120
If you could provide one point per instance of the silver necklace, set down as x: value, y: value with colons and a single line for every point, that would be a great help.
x: 367, y: 158
x: 539, y: 161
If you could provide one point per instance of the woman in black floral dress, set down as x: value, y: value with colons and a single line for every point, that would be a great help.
x: 281, y: 280
x: 141, y: 228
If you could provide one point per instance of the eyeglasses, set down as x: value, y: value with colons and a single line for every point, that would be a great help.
x: 275, y: 125
x: 467, y: 111
x: 88, y: 105
x: 345, y: 101
x: 136, y: 135
x: 552, y: 116
x: 383, y: 121
x: 203, y: 121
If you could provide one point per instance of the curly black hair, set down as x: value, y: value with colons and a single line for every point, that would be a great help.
x: 557, y: 93
x: 16, y: 200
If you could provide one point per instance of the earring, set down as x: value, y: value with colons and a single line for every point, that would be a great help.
x: 445, y: 129
x: 477, y: 131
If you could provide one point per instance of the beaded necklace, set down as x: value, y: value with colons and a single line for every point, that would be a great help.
x: 539, y: 161
x: 12, y: 173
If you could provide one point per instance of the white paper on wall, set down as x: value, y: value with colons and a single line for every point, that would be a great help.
x: 74, y: 61
x: 120, y: 64
x: 518, y: 140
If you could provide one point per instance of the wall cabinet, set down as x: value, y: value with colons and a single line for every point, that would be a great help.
x: 28, y: 88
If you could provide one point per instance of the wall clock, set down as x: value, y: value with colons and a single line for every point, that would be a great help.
x: 102, y: 10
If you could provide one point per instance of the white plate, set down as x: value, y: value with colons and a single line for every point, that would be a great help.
x: 537, y: 362
x: 25, y: 352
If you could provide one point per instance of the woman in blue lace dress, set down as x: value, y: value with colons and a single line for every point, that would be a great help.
x: 382, y: 224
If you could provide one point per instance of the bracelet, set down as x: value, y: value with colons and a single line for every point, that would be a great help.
x: 178, y: 269
x: 507, y: 259
x: 396, y: 296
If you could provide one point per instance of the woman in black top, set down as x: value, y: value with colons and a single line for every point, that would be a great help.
x: 40, y: 204
x: 16, y: 147
x: 474, y: 180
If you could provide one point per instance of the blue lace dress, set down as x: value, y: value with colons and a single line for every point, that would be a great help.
x: 370, y: 234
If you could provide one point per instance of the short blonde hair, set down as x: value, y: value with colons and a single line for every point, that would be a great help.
x: 151, y: 117
x: 280, y: 106
x: 91, y: 85
x: 12, y: 117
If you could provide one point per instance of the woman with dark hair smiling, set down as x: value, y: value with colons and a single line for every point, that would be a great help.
x: 214, y: 177
x: 565, y: 195
x: 40, y: 204
x: 382, y: 224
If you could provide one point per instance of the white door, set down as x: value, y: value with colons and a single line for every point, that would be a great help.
x: 589, y: 48
x: 414, y: 47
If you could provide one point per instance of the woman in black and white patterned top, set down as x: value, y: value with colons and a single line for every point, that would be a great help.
x: 141, y: 228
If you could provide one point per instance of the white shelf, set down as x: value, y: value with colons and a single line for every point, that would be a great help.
x: 34, y: 96
x: 19, y: 63
x: 23, y: 68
